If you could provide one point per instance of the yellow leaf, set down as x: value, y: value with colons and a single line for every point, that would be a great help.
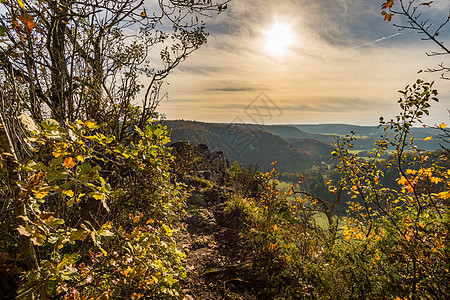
x: 20, y: 2
x: 97, y: 197
x: 444, y: 195
x: 91, y: 125
x: 435, y: 180
x: 442, y: 125
x: 68, y: 193
x: 427, y: 138
x: 168, y: 230
x: 410, y: 171
x: 80, y: 158
x: 69, y: 162
x: 40, y: 194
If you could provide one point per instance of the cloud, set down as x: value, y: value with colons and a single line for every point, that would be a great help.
x: 346, y: 66
x: 231, y: 89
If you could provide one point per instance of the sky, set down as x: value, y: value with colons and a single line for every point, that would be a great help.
x: 342, y: 64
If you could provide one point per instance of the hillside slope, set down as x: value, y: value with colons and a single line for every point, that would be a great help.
x: 252, y: 145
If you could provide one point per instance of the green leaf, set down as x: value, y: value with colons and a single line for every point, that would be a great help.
x: 54, y: 222
x: 78, y: 235
x: 68, y: 259
x: 3, y: 30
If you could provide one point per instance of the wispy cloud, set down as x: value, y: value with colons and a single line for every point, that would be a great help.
x: 347, y: 63
x: 375, y: 41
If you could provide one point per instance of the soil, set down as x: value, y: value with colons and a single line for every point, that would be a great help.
x: 218, y: 265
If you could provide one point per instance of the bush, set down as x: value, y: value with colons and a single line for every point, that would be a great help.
x: 97, y: 215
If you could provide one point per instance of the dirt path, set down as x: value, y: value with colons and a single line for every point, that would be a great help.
x: 217, y: 265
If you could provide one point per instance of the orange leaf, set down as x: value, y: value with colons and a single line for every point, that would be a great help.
x: 69, y: 162
x: 426, y: 3
x: 388, y: 4
x: 28, y: 21
x: 427, y: 138
x: 435, y: 180
x: 444, y: 195
x: 442, y: 125
x: 387, y: 17
x: 143, y: 14
x: 273, y: 247
x: 408, y: 238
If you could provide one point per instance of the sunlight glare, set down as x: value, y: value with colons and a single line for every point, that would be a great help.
x: 278, y: 38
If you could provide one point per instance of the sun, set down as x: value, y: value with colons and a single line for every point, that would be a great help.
x: 278, y: 38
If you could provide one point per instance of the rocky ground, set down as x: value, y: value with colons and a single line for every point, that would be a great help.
x: 218, y: 263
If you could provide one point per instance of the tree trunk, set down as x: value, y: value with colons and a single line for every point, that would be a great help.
x: 9, y: 162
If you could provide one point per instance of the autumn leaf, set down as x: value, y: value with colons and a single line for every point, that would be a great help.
x: 444, y: 195
x: 69, y: 162
x: 28, y: 21
x: 144, y: 14
x: 20, y: 2
x: 40, y: 194
x: 273, y: 247
x: 68, y: 193
x: 23, y: 231
x: 427, y: 138
x: 442, y: 125
x: 29, y: 123
x: 387, y: 17
x: 388, y: 4
x: 435, y: 180
x: 90, y: 125
x: 408, y: 238
x: 426, y: 3
x: 97, y: 196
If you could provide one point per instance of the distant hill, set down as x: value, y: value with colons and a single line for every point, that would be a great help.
x: 368, y: 134
x: 295, y: 147
x: 253, y: 144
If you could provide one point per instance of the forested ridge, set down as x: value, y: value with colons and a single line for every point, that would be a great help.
x: 97, y: 202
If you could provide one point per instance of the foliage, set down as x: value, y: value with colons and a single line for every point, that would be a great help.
x: 392, y: 244
x: 86, y: 197
x: 97, y: 213
x: 71, y: 60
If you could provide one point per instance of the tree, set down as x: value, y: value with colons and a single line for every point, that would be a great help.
x: 414, y: 13
x: 86, y: 197
x: 73, y: 60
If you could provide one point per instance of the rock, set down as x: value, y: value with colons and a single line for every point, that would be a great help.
x: 199, y: 161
